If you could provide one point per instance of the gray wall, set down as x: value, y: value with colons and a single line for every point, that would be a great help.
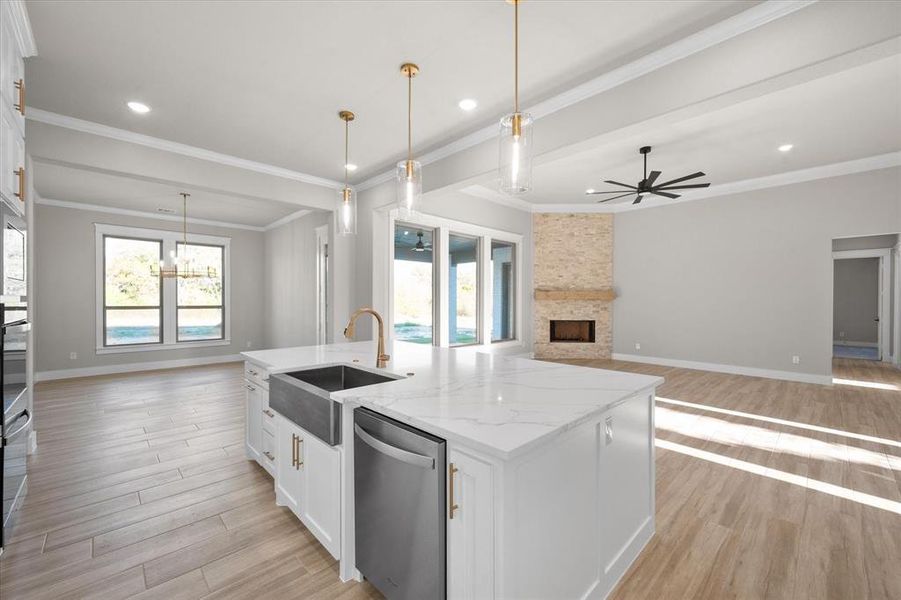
x: 289, y: 300
x: 744, y: 279
x: 856, y: 300
x: 449, y: 205
x: 65, y: 293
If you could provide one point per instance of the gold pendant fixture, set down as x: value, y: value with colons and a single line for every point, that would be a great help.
x: 182, y: 266
x: 409, y: 172
x: 346, y: 214
x: 515, y: 141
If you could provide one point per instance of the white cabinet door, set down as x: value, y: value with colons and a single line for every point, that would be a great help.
x: 12, y: 155
x: 252, y: 422
x: 470, y: 529
x: 288, y: 476
x: 320, y: 506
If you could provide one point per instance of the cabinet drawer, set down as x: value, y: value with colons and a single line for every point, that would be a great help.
x: 267, y: 457
x: 268, y: 420
x: 256, y: 374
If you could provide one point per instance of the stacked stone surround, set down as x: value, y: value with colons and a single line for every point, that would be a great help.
x: 572, y: 252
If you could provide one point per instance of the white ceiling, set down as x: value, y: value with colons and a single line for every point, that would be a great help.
x: 264, y: 80
x: 130, y: 193
x: 845, y: 116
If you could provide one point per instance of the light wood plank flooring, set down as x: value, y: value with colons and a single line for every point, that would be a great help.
x: 140, y: 489
x: 765, y: 489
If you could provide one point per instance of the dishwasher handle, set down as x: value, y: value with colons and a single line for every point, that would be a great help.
x: 410, y: 458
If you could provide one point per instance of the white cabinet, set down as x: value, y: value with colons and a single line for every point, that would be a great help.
x: 470, y: 528
x: 253, y: 429
x: 308, y: 481
x: 12, y: 119
x: 259, y: 424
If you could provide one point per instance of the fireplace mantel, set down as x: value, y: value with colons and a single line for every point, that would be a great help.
x: 606, y: 294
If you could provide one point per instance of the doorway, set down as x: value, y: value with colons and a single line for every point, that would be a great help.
x: 862, y: 303
x: 322, y: 295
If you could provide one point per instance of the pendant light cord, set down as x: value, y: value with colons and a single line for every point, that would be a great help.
x: 515, y: 56
x: 346, y: 142
x: 410, y: 115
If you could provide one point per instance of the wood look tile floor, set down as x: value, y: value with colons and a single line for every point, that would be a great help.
x: 765, y: 489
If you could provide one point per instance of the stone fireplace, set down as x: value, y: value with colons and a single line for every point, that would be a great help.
x: 573, y: 278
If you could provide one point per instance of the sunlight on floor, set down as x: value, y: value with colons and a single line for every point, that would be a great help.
x: 807, y: 426
x: 866, y: 384
x: 799, y: 480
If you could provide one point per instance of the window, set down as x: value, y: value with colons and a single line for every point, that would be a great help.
x: 201, y: 310
x: 502, y: 291
x: 413, y: 284
x: 452, y: 283
x: 137, y: 309
x: 463, y: 287
x: 132, y: 295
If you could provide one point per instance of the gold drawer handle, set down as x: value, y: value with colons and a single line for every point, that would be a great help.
x: 20, y: 85
x: 269, y: 455
x: 269, y: 413
x: 293, y: 450
x: 20, y: 173
x: 297, y: 445
x: 453, y: 505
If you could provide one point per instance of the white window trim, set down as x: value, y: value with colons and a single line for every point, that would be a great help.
x: 169, y: 240
x: 443, y: 228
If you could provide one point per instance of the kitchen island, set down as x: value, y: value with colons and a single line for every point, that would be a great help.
x: 550, y: 467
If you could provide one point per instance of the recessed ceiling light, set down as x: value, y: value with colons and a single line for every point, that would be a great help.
x: 786, y: 147
x: 589, y: 191
x: 139, y: 107
x: 350, y: 167
x: 467, y: 104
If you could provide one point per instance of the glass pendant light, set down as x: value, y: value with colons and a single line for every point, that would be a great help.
x: 515, y: 149
x: 409, y: 172
x: 346, y: 215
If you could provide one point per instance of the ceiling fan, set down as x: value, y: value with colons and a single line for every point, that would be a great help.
x: 420, y: 247
x: 646, y: 185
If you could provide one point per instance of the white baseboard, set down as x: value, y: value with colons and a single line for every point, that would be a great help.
x: 855, y: 344
x: 734, y: 369
x: 135, y: 367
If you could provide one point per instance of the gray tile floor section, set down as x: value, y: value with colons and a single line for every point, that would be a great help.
x: 855, y: 352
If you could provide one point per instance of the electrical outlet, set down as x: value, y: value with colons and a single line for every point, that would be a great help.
x: 841, y: 335
x: 637, y: 346
x: 73, y: 355
x: 796, y: 360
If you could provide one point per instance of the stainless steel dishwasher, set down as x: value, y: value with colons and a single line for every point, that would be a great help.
x: 399, y: 495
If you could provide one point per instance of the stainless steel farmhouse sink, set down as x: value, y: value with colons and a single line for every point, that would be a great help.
x: 304, y: 396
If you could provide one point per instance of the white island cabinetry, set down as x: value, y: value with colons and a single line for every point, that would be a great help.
x: 549, y: 473
x: 259, y: 422
x: 308, y: 481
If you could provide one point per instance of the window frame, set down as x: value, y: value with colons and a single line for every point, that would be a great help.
x: 514, y: 255
x: 168, y: 305
x: 105, y: 307
x: 443, y: 228
x: 200, y: 306
x: 480, y: 309
x: 411, y: 224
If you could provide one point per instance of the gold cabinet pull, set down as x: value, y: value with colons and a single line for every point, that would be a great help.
x: 20, y: 173
x: 293, y: 450
x: 299, y: 459
x: 453, y: 506
x: 20, y: 85
x: 269, y: 455
x: 269, y: 413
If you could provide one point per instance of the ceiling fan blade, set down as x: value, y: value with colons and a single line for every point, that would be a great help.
x: 683, y: 187
x: 665, y: 194
x: 638, y: 199
x: 686, y: 178
x: 631, y: 187
x: 608, y: 192
x: 615, y: 197
x: 652, y: 178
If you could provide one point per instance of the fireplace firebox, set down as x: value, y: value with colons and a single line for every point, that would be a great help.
x: 572, y: 331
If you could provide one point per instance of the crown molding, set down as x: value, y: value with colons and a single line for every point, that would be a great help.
x: 142, y: 214
x: 754, y: 17
x: 861, y: 165
x: 123, y: 135
x: 287, y: 219
x: 21, y: 26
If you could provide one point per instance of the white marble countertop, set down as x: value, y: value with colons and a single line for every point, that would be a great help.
x: 496, y: 404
